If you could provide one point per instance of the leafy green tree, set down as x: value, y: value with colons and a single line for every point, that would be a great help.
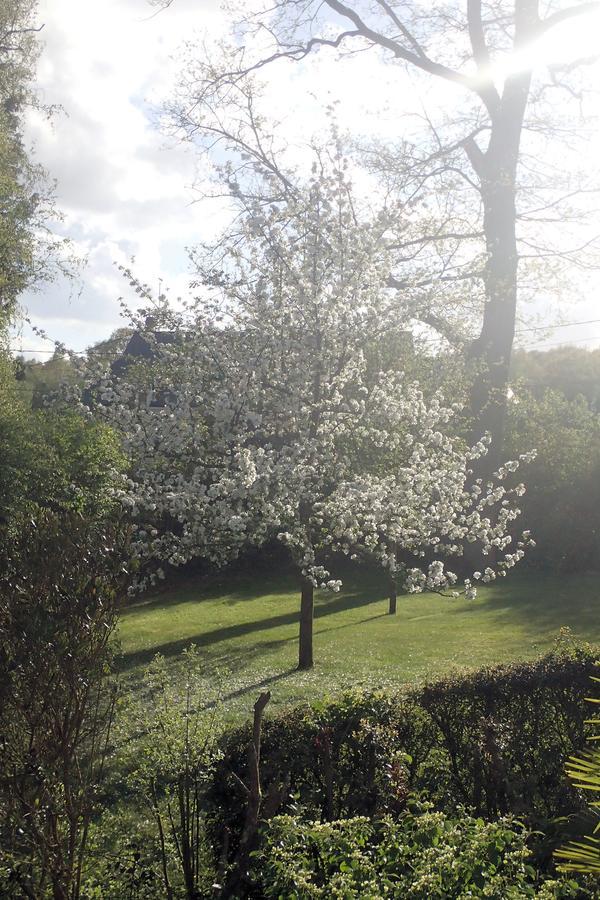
x: 39, y: 381
x: 562, y: 504
x: 51, y: 458
x: 56, y: 461
x: 30, y: 254
x: 572, y: 371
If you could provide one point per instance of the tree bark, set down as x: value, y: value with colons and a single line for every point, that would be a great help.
x: 492, y: 350
x: 392, y: 598
x: 232, y: 887
x: 307, y: 605
x: 497, y: 172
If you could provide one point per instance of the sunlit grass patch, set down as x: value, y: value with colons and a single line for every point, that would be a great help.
x: 246, y: 627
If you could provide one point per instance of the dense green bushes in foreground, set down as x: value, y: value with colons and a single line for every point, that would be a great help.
x: 454, y: 790
x: 427, y: 856
x: 493, y: 743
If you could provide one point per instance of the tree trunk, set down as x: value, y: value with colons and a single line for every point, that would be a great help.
x: 307, y: 605
x: 392, y: 597
x: 497, y: 172
x: 494, y: 346
x: 492, y: 350
x: 233, y: 887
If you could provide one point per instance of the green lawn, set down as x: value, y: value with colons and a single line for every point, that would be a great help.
x: 246, y: 626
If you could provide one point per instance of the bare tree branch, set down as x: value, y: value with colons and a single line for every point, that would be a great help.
x: 400, y: 52
x: 564, y: 15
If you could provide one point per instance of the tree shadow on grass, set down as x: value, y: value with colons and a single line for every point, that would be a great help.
x: 236, y: 588
x: 249, y: 688
x: 228, y: 588
x: 209, y: 639
x: 544, y: 605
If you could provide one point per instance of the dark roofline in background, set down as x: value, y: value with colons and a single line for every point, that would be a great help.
x: 139, y: 347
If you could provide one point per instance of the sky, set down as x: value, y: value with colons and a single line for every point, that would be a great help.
x: 125, y: 190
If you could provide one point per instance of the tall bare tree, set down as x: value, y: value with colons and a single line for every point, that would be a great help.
x: 484, y: 49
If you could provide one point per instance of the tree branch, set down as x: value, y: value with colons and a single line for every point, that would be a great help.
x: 475, y: 154
x: 477, y: 35
x: 481, y: 55
x: 298, y: 53
x: 403, y: 29
x: 421, y: 62
x: 564, y: 15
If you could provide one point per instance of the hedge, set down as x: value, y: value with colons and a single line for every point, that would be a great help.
x: 494, y: 742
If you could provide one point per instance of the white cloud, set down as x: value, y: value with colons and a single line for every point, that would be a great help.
x: 124, y: 191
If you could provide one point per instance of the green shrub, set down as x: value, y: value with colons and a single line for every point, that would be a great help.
x: 493, y: 741
x: 506, y: 730
x: 61, y: 584
x: 562, y: 504
x: 169, y: 765
x: 424, y: 857
x: 124, y: 858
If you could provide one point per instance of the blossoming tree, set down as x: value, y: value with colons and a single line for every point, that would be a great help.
x: 420, y: 515
x: 273, y: 422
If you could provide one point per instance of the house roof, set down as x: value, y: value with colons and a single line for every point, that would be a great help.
x: 139, y: 347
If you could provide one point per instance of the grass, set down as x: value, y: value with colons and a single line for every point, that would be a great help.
x: 246, y: 626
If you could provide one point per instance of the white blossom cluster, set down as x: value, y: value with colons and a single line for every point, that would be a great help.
x: 275, y: 421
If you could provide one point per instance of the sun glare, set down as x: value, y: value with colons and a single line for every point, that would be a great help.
x: 575, y: 39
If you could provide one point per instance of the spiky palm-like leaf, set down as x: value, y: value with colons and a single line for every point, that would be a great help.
x: 584, y: 772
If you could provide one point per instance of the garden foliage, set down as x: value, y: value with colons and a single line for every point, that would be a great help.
x: 562, y: 503
x: 426, y: 856
x: 583, y: 855
x: 61, y: 582
x: 494, y: 742
x: 259, y: 416
x: 170, y: 766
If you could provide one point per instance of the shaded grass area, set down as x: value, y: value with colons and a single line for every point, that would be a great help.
x: 246, y: 626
